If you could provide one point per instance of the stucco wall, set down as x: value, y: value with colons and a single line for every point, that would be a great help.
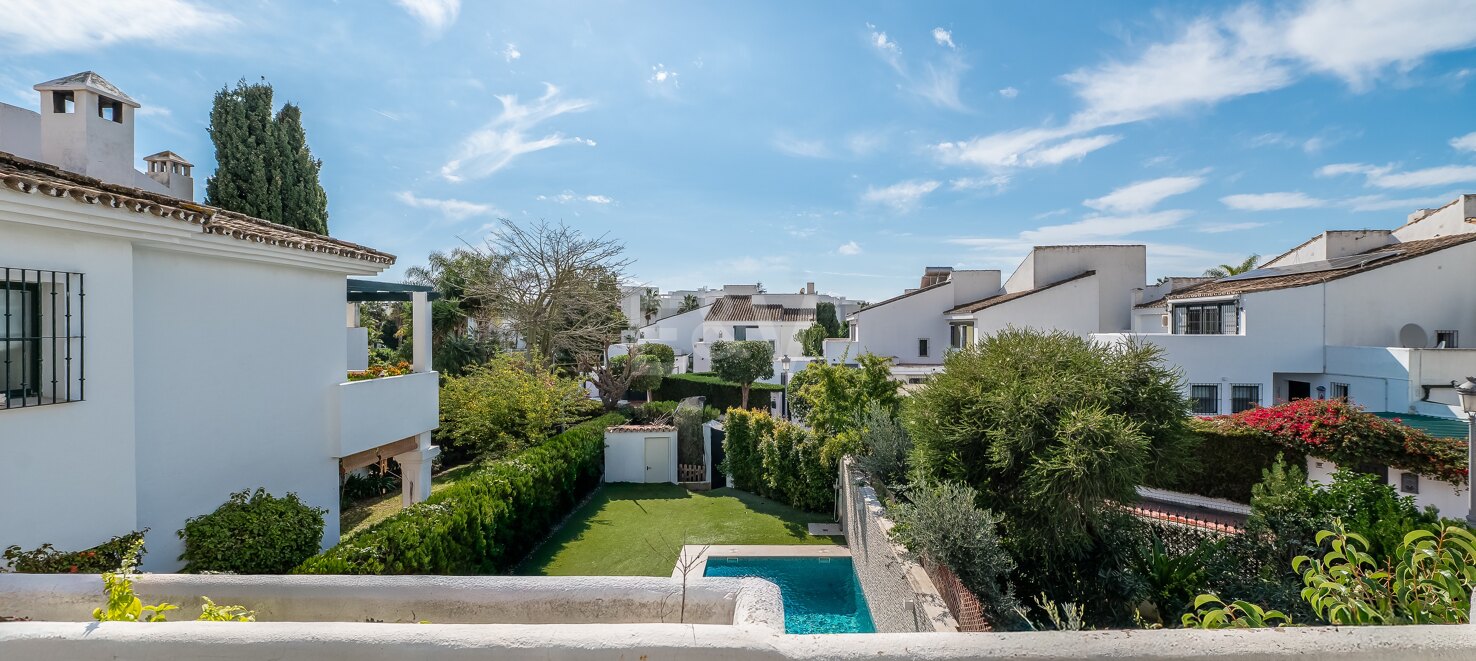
x: 1452, y: 501
x: 236, y: 366
x: 625, y: 455
x: 893, y: 329
x: 67, y: 470
x: 1433, y: 291
x: 1073, y: 307
x: 899, y: 593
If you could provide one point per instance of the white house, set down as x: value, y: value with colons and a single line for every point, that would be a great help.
x: 1081, y: 289
x: 1375, y: 316
x: 159, y: 354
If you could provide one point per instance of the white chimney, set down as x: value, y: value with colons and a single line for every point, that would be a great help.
x: 87, y: 127
x: 171, y: 170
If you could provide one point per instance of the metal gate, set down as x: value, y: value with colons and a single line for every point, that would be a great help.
x: 719, y: 478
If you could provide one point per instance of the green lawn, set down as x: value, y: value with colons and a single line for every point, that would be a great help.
x: 366, y: 513
x: 637, y: 529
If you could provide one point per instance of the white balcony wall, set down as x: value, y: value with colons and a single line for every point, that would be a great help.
x: 374, y: 412
x: 358, y: 349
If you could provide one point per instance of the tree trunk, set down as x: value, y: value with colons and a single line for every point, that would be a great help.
x: 745, y: 396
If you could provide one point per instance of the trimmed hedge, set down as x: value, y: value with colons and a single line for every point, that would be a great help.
x: 779, y: 460
x: 721, y: 395
x: 1227, y: 462
x: 488, y: 520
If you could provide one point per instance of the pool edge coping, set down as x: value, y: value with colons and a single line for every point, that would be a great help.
x: 702, y: 552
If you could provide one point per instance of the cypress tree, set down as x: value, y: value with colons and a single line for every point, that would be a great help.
x: 264, y: 167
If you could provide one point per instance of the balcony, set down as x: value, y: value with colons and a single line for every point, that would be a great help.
x: 377, y: 412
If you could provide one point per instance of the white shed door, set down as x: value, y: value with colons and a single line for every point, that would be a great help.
x: 657, y: 458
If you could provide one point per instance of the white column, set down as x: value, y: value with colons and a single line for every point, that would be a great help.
x: 415, y: 470
x: 352, y: 317
x: 420, y: 328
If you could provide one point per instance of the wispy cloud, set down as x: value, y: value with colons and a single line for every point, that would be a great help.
x: 1466, y: 142
x: 661, y: 75
x: 944, y: 38
x: 1221, y: 228
x: 1271, y: 201
x: 1105, y: 227
x: 799, y: 146
x: 885, y: 47
x: 1386, y: 176
x: 569, y: 196
x: 495, y: 145
x: 43, y: 26
x: 901, y: 197
x: 1026, y: 148
x: 1009, y: 92
x: 936, y: 80
x: 1382, y: 203
x: 450, y: 208
x: 849, y: 248
x: 511, y: 53
x: 1144, y: 195
x: 435, y: 15
x: 995, y: 182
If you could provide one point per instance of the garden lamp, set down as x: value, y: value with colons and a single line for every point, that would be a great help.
x: 1467, y: 390
x: 784, y: 363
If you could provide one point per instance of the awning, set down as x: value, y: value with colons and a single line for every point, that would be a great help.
x: 366, y: 291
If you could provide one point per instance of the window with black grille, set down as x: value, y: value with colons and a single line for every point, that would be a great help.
x: 1244, y: 396
x: 1205, y: 398
x: 41, y: 337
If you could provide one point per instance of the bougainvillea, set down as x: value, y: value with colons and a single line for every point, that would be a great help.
x: 1335, y: 430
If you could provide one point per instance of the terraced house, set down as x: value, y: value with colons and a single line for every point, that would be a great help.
x: 159, y: 354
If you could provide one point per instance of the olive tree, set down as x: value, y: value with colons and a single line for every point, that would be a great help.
x: 743, y: 362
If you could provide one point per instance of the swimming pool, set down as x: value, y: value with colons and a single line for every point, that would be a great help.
x: 821, y: 595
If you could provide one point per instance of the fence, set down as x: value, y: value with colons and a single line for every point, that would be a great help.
x: 691, y: 473
x: 1226, y: 523
x: 961, y: 601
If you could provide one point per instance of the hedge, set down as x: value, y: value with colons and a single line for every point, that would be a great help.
x: 486, y: 521
x: 779, y: 460
x: 721, y: 395
x: 1227, y: 462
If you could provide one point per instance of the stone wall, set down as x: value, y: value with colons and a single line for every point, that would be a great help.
x: 901, y: 596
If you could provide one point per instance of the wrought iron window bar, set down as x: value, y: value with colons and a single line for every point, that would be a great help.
x: 42, y: 332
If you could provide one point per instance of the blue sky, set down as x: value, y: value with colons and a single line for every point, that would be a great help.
x: 848, y: 143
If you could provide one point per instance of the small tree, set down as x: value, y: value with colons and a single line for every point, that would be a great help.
x: 813, y: 340
x: 825, y: 316
x: 623, y: 373
x: 650, y: 304
x: 665, y: 362
x: 689, y: 303
x: 743, y: 362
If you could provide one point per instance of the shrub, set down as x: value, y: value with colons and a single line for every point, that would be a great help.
x: 104, y: 557
x: 719, y: 394
x: 505, y: 405
x: 662, y: 353
x: 253, y: 533
x: 885, y: 446
x: 833, y: 397
x: 1226, y: 463
x: 381, y: 370
x: 487, y: 520
x: 1335, y: 430
x: 942, y: 522
x: 778, y: 460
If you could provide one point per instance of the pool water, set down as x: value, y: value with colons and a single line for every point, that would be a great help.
x: 821, y: 595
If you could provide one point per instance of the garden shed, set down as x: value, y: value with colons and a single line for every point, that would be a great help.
x: 641, y: 453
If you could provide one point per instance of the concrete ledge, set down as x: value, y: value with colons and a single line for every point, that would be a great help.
x: 224, y: 641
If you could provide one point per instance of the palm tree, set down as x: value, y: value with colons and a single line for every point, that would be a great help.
x: 1227, y: 270
x: 650, y: 304
x: 689, y: 303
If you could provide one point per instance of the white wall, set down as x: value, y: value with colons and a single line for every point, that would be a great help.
x: 1434, y: 291
x: 1074, y: 307
x: 1452, y: 501
x: 893, y: 329
x: 625, y: 455
x: 20, y: 132
x: 67, y: 470
x: 236, y: 365
x: 1447, y: 219
x: 679, y: 332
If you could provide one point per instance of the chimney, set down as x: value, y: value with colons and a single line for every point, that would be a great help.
x: 87, y: 127
x: 809, y: 287
x: 933, y: 275
x: 171, y: 170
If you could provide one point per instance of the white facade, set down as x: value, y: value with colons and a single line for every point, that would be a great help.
x: 641, y: 453
x: 211, y: 364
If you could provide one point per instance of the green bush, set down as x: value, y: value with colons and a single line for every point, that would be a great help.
x: 253, y: 533
x: 104, y: 557
x: 941, y: 522
x: 720, y: 394
x: 885, y: 446
x: 487, y: 520
x: 778, y: 460
x: 1226, y: 462
x: 505, y: 405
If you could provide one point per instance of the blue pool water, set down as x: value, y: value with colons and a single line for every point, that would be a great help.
x: 821, y: 595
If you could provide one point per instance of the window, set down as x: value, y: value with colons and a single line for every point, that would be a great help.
x: 922, y: 347
x: 960, y: 334
x: 1409, y: 482
x: 1339, y: 390
x: 1244, y: 396
x: 741, y: 332
x: 63, y: 102
x: 1446, y: 339
x: 41, y: 324
x: 1206, y: 319
x: 1206, y: 399
x: 110, y: 110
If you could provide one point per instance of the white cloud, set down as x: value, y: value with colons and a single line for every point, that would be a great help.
x: 435, y: 15
x: 1382, y: 203
x: 503, y: 139
x: 1466, y: 142
x: 849, y: 248
x: 1357, y: 40
x: 1271, y: 201
x: 570, y: 196
x: 1385, y: 176
x: 996, y: 182
x: 1009, y: 92
x: 864, y: 142
x: 902, y: 197
x: 1023, y: 148
x: 450, y: 208
x: 1221, y: 228
x: 43, y: 26
x: 885, y: 47
x: 943, y: 37
x: 512, y: 53
x: 1144, y: 195
x: 800, y: 147
x: 1104, y: 227
x: 1070, y: 150
x: 661, y: 75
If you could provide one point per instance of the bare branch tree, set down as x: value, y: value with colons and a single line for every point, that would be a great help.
x: 686, y: 563
x: 613, y: 377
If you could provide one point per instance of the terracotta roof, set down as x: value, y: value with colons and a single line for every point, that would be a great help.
x: 620, y: 428
x: 996, y: 300
x: 89, y: 81
x: 1407, y: 250
x: 1162, y: 301
x: 741, y: 308
x: 31, y: 177
x: 898, y: 298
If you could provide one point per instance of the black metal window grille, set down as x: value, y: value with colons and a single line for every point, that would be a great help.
x: 1244, y: 396
x: 1205, y: 399
x: 41, y: 337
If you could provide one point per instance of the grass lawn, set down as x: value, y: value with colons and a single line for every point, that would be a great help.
x: 614, y: 533
x: 366, y: 513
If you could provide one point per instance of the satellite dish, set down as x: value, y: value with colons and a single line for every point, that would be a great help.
x: 1412, y: 336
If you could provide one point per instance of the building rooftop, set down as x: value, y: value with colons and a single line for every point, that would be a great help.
x: 32, y: 177
x: 624, y: 428
x: 1438, y: 427
x: 89, y: 81
x: 992, y: 301
x: 742, y: 308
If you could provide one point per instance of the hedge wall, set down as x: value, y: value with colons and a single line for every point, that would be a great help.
x: 779, y: 460
x: 1227, y: 462
x: 721, y: 395
x: 485, y: 522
